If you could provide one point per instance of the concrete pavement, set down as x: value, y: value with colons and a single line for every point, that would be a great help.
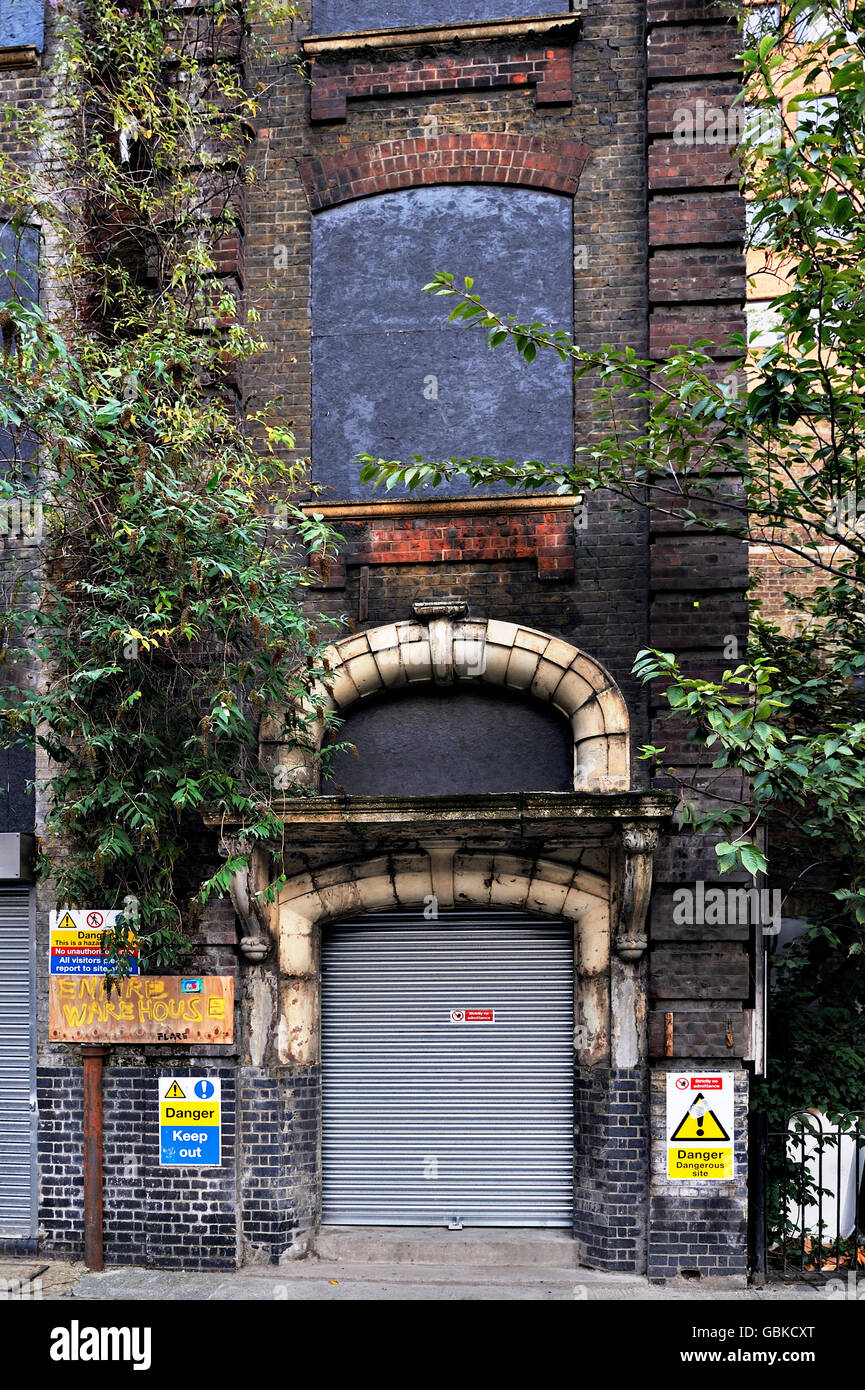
x: 322, y: 1280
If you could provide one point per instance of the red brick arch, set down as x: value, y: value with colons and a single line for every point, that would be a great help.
x: 526, y: 160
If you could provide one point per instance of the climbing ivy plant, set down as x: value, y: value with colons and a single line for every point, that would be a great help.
x: 157, y: 611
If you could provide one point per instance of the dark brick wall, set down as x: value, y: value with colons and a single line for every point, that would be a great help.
x: 546, y: 70
x: 279, y: 1192
x: 698, y: 973
x: 167, y: 1217
x: 60, y: 1096
x: 612, y: 1168
x: 404, y: 539
x: 253, y: 1207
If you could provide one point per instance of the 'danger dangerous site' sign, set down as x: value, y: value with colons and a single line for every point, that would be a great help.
x: 700, y: 1132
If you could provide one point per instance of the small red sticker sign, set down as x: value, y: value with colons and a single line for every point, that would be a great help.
x: 706, y: 1083
x: 473, y: 1015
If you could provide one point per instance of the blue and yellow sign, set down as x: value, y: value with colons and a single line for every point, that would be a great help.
x: 190, y: 1121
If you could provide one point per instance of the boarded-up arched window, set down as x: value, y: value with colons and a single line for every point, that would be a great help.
x: 443, y: 742
x: 389, y: 376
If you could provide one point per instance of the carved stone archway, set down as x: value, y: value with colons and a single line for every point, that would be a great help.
x: 442, y: 646
x: 452, y: 877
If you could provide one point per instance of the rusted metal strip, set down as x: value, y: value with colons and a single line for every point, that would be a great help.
x: 93, y: 1057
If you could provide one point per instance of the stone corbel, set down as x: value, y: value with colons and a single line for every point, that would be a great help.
x: 439, y: 615
x: 245, y: 884
x: 640, y: 842
x: 441, y: 856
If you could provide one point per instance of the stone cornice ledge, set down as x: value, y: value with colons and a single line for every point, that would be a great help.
x: 23, y: 57
x: 453, y: 506
x: 522, y: 810
x: 496, y: 31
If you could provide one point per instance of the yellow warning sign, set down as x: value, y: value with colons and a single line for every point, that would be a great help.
x: 701, y: 1116
x: 174, y: 1092
x: 67, y: 941
x: 700, y: 1165
x: 66, y: 924
x: 699, y: 1124
x: 200, y: 1112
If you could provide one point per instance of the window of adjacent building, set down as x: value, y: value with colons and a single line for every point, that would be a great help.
x: 812, y: 26
x: 355, y: 16
x: 390, y: 376
x: 818, y: 113
x: 764, y: 324
x: 759, y: 20
x: 22, y: 23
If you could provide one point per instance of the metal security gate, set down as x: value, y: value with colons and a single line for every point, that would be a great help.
x: 448, y: 1058
x: 17, y: 1066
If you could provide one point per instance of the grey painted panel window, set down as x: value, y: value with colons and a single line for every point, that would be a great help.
x: 19, y: 278
x: 22, y: 23
x: 19, y: 262
x: 17, y: 768
x: 389, y: 376
x: 355, y: 16
x: 444, y: 742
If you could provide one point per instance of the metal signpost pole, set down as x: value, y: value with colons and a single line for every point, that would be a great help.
x: 93, y: 1056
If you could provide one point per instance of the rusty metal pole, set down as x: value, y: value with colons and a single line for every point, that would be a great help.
x: 93, y: 1057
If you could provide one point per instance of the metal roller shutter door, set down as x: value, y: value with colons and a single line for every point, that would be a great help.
x: 425, y: 1119
x: 17, y: 1066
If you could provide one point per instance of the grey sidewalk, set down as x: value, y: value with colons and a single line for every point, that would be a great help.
x: 313, y: 1279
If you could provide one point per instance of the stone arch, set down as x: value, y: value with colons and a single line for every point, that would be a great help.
x: 455, y: 877
x: 445, y: 650
x: 532, y: 161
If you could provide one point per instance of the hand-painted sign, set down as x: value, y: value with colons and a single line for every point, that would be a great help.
x: 190, y: 1125
x: 700, y: 1131
x: 145, y: 1009
x: 77, y: 941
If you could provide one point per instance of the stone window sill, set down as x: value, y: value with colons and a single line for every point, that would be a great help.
x: 494, y: 31
x: 19, y: 57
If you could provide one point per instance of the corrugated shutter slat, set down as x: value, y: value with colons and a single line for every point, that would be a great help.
x: 17, y: 1066
x: 425, y: 1119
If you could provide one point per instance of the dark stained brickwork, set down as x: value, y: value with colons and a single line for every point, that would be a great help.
x: 612, y: 1163
x: 527, y: 160
x: 546, y: 70
x: 547, y: 537
x: 657, y: 261
x: 167, y: 1217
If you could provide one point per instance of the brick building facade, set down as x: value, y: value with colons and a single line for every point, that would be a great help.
x: 493, y: 635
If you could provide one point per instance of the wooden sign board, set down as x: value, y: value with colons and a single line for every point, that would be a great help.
x: 142, y: 1009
